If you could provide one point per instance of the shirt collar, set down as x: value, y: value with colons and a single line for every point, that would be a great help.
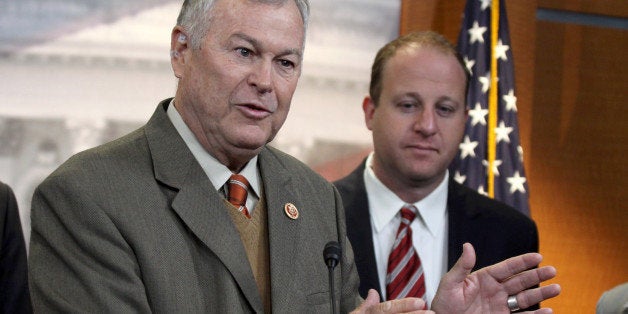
x: 434, y: 206
x: 384, y: 204
x: 217, y: 173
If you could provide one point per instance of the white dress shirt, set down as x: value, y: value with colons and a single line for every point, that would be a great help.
x: 217, y: 173
x: 429, y: 229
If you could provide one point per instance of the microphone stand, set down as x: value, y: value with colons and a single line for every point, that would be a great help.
x: 332, y: 253
x: 332, y: 295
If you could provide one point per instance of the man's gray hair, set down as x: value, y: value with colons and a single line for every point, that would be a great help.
x: 195, y: 17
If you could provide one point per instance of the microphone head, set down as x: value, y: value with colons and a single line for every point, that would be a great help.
x: 332, y: 254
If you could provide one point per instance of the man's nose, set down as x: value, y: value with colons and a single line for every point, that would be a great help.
x: 261, y: 76
x: 426, y: 121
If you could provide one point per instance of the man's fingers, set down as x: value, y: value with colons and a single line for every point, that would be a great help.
x: 528, y: 278
x: 534, y: 296
x: 513, y: 266
x: 371, y: 300
x: 407, y: 305
x: 540, y: 311
x: 372, y: 296
x: 463, y: 266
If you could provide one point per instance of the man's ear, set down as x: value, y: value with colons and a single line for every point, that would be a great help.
x: 178, y: 50
x: 368, y: 106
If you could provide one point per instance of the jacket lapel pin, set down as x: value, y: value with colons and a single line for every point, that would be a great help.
x: 291, y: 211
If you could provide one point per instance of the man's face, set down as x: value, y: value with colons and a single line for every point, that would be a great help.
x: 235, y: 91
x: 420, y: 117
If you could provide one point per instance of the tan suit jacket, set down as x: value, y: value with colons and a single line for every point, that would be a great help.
x: 135, y: 226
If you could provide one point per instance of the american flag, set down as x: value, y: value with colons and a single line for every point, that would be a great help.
x: 497, y: 115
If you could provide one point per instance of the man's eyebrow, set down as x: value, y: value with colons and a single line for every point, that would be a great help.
x: 255, y: 43
x: 247, y: 38
x: 412, y: 94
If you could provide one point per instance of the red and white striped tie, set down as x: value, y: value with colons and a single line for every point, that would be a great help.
x: 404, y: 277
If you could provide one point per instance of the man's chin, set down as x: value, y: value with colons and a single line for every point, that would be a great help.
x: 253, y: 144
x: 427, y: 175
x: 253, y: 138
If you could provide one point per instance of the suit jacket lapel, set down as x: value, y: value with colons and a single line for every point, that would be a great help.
x: 197, y: 203
x: 460, y: 213
x: 283, y: 233
x: 359, y: 230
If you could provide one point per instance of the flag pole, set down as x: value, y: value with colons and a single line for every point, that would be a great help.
x: 492, y: 100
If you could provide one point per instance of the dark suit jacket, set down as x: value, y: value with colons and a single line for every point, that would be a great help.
x: 135, y: 226
x: 14, y: 296
x: 496, y: 230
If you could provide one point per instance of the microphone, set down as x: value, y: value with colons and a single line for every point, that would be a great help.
x: 332, y: 254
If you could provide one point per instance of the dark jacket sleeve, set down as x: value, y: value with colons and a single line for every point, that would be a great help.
x: 14, y: 294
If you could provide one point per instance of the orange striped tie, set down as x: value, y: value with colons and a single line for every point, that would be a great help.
x: 404, y: 276
x: 238, y: 186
